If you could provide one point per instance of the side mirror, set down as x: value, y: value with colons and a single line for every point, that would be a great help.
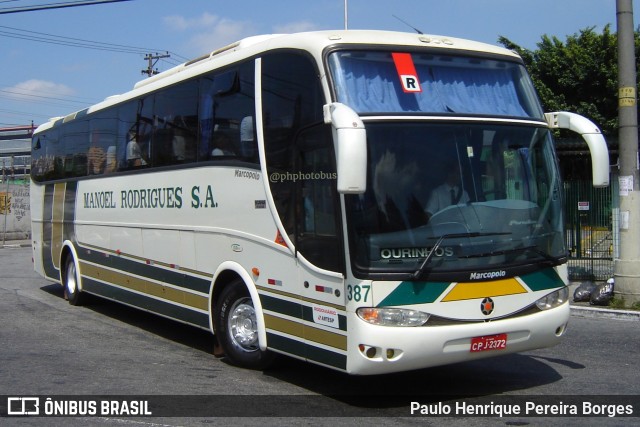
x: 592, y: 136
x: 350, y: 141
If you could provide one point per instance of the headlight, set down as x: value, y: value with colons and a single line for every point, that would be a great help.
x: 554, y: 299
x: 393, y: 316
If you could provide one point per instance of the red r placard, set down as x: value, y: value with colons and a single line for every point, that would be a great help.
x: 407, y: 72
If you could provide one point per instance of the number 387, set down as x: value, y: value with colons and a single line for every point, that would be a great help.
x: 358, y: 293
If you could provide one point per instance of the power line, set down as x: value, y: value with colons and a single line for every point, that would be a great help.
x: 69, y: 41
x: 23, y: 113
x: 40, y: 37
x: 20, y: 91
x: 56, y: 106
x: 66, y: 43
x: 17, y: 95
x: 61, y: 5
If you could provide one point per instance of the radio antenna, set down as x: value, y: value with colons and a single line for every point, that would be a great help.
x: 408, y: 25
x: 346, y: 14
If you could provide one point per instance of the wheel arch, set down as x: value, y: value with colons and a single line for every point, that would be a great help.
x: 226, y: 274
x: 69, y: 250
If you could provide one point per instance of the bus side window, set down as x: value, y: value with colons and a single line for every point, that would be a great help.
x: 134, y: 133
x: 299, y: 145
x: 75, y: 136
x: 103, y: 136
x: 43, y: 157
x: 174, y: 139
x: 226, y: 115
x: 316, y: 199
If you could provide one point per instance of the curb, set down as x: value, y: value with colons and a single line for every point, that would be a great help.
x: 604, y: 313
x: 16, y: 244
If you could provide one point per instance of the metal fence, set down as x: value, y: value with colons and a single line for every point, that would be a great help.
x: 590, y: 236
x: 15, y: 168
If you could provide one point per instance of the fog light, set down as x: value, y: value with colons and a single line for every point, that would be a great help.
x: 369, y: 351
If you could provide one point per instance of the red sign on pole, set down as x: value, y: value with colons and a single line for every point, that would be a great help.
x: 583, y: 206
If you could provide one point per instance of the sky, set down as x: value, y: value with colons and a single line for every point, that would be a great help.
x: 41, y: 76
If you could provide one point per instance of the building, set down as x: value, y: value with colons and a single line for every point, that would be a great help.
x: 15, y: 152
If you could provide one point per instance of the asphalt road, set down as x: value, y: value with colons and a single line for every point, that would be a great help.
x: 50, y: 348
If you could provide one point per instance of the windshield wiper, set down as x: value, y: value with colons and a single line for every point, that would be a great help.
x: 418, y: 273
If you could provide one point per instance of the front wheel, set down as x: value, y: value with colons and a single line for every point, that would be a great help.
x: 236, y: 328
x: 72, y: 291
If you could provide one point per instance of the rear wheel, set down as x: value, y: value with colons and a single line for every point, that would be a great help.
x: 72, y: 291
x: 237, y: 329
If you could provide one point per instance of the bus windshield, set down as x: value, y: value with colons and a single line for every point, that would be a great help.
x: 386, y: 82
x: 477, y: 196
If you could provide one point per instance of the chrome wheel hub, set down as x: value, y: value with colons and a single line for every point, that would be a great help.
x: 243, y: 328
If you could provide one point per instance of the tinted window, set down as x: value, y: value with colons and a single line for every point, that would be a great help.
x: 206, y: 118
x: 175, y: 125
x: 226, y: 116
x: 75, y: 138
x: 300, y: 157
x: 102, y: 153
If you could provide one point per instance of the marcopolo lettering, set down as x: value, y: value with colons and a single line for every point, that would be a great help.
x: 239, y: 173
x: 487, y: 275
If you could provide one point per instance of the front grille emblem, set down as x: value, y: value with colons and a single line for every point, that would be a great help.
x: 487, y: 306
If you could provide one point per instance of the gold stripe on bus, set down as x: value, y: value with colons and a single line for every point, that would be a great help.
x: 57, y: 223
x: 142, y: 259
x: 299, y: 298
x: 144, y: 286
x: 307, y: 332
x: 330, y: 339
x: 465, y: 291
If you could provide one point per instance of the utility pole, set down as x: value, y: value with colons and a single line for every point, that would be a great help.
x: 152, y: 61
x: 627, y: 267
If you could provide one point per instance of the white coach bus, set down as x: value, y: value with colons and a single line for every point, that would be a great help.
x: 368, y: 201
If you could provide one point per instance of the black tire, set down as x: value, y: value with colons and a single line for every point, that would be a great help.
x: 71, y: 283
x: 236, y: 328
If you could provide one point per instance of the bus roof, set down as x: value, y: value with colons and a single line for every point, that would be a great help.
x: 315, y: 42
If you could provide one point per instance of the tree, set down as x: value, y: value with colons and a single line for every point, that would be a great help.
x: 579, y: 75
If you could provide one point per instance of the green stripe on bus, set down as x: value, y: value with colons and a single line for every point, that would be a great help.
x: 146, y: 303
x: 270, y: 290
x: 281, y: 306
x: 413, y: 293
x: 176, y: 278
x: 294, y: 309
x: 306, y: 351
x: 541, y: 280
